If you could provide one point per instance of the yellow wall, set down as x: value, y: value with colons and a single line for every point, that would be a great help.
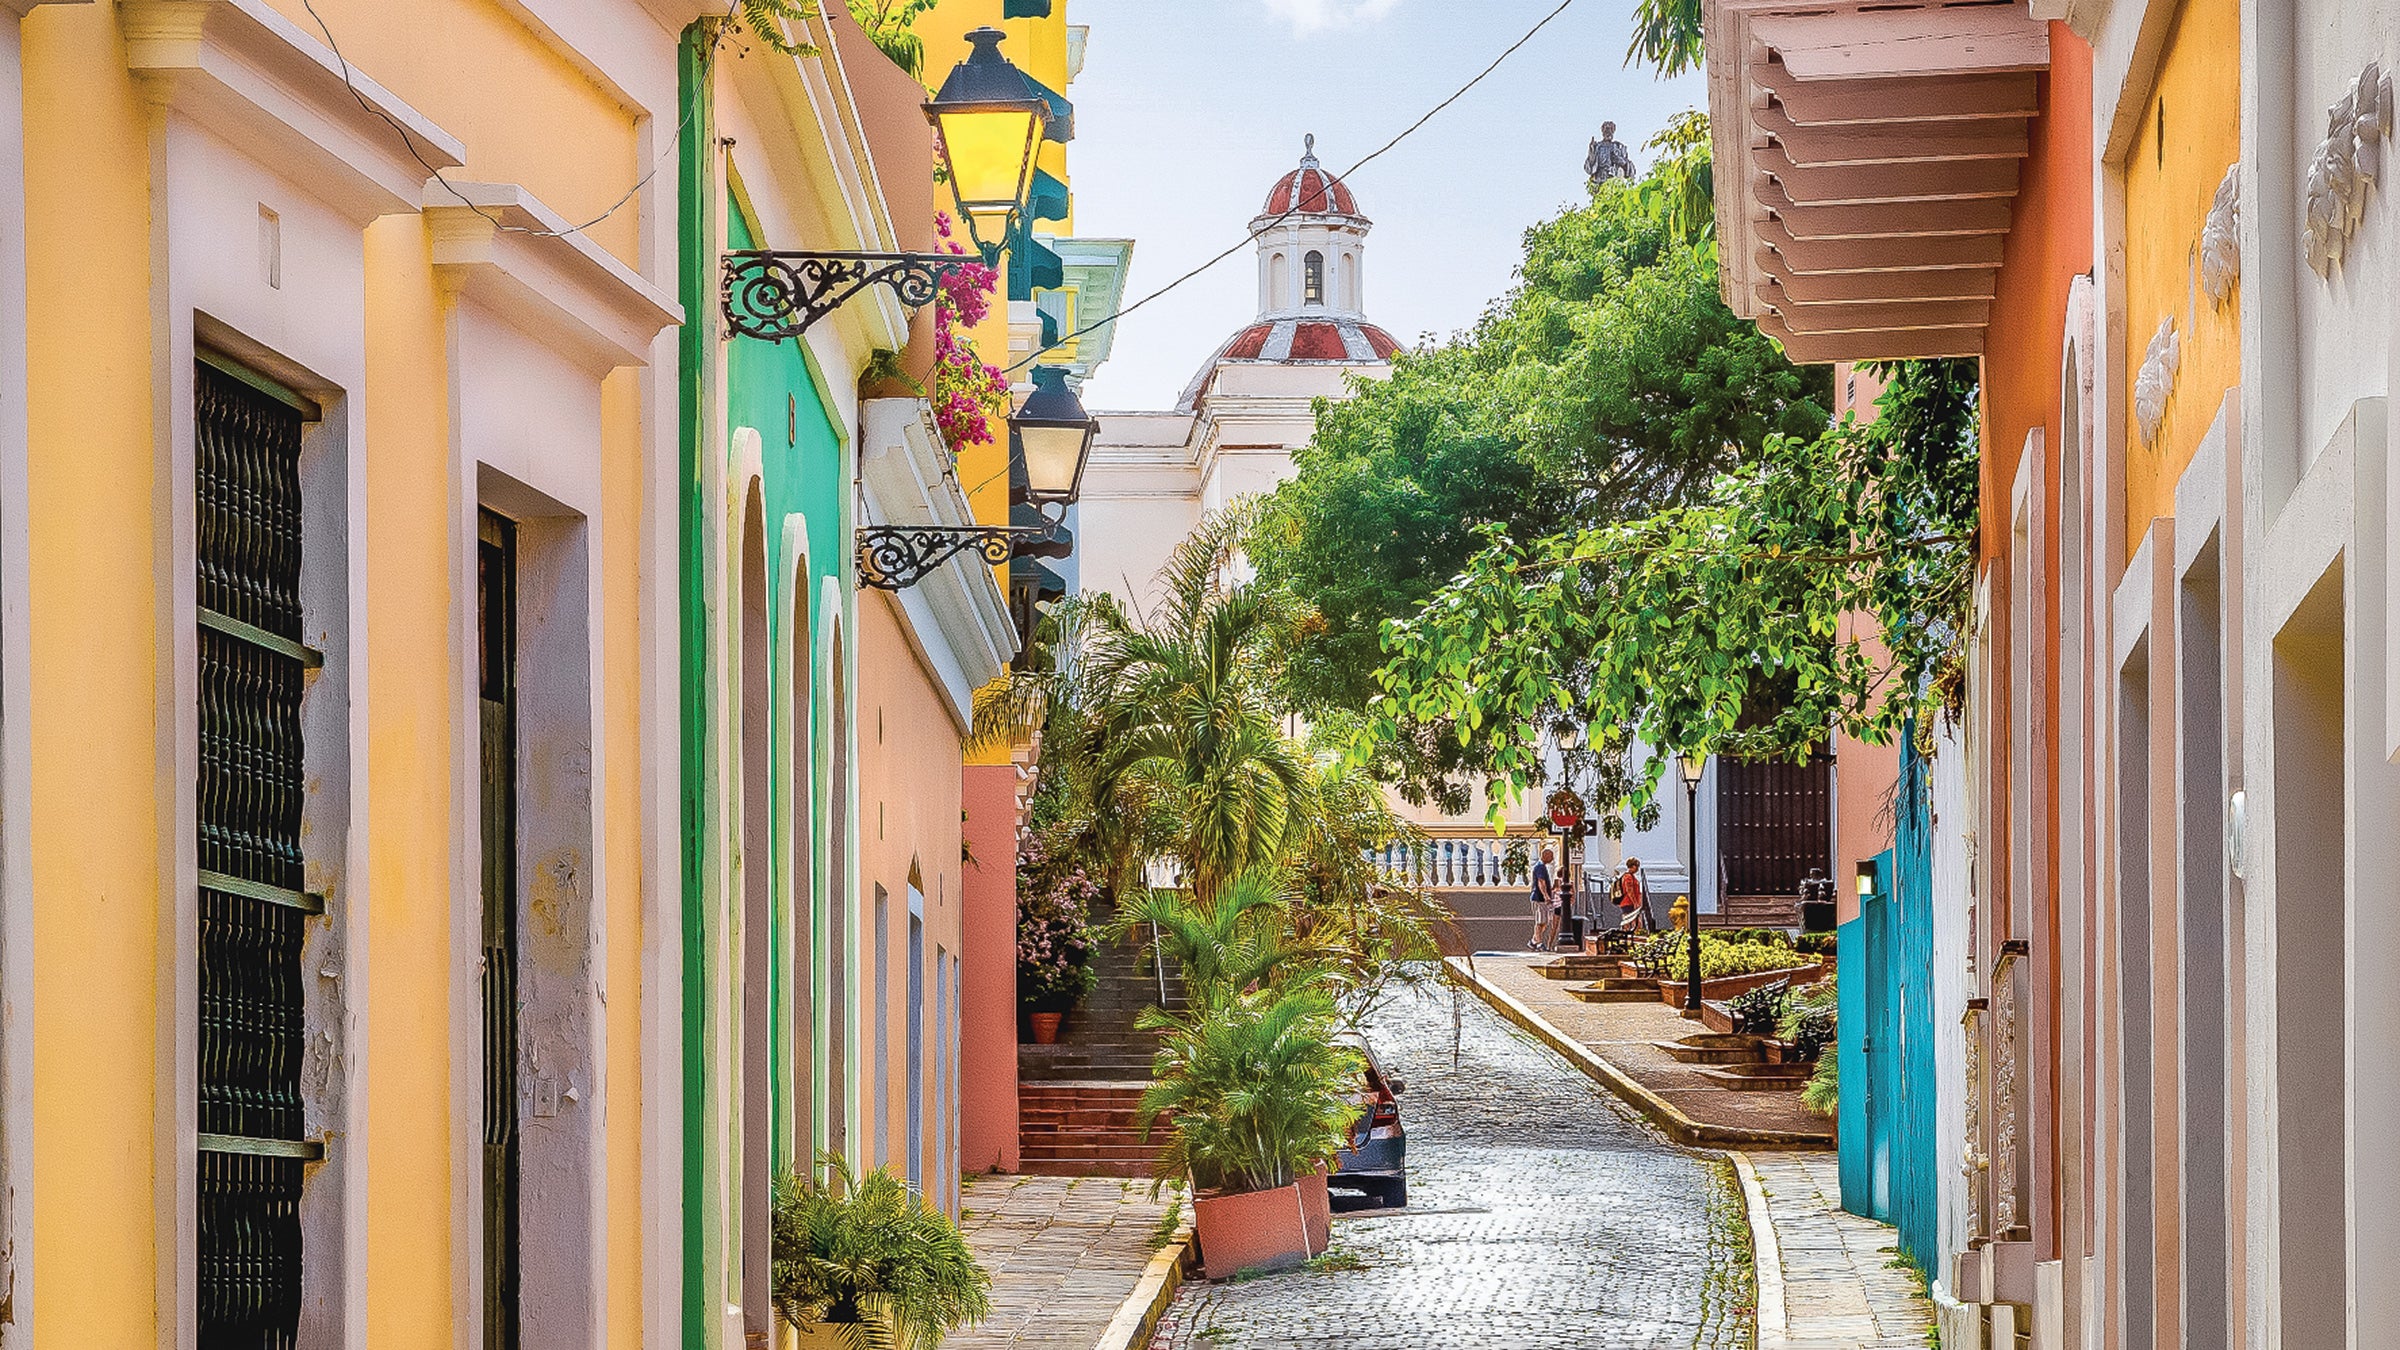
x: 103, y: 755
x: 95, y: 687
x: 525, y: 115
x: 2168, y: 187
x: 410, y: 847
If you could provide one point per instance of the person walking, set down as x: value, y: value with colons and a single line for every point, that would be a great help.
x: 1545, y: 909
x: 1633, y: 898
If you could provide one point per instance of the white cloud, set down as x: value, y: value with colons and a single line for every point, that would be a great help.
x: 1312, y: 16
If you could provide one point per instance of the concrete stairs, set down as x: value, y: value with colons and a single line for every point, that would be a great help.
x: 1741, y: 1063
x: 1616, y: 989
x: 1755, y: 911
x: 1083, y: 1129
x: 1076, y: 1099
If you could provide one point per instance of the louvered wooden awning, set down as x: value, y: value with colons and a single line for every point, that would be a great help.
x: 1866, y: 167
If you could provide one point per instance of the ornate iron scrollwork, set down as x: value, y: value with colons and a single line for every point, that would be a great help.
x: 896, y: 557
x: 772, y: 295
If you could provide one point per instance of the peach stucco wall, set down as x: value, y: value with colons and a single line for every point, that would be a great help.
x: 909, y: 827
x: 988, y: 1104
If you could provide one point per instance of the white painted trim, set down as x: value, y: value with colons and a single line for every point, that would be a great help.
x: 247, y: 74
x: 957, y: 618
x: 505, y: 250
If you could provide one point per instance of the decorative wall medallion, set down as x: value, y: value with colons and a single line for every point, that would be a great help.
x: 2221, y: 238
x: 2347, y: 163
x: 2156, y: 379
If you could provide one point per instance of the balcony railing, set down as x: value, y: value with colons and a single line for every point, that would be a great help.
x: 1462, y: 858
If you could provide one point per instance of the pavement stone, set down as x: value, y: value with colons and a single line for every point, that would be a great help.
x: 1841, y: 1288
x: 1064, y: 1253
x: 1544, y: 1214
x: 1627, y: 1036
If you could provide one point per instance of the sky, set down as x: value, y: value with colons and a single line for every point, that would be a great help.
x: 1189, y: 110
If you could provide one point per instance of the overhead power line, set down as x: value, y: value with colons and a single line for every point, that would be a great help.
x: 1295, y: 209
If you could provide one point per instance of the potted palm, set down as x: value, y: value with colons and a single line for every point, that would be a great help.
x: 1259, y: 1094
x: 865, y: 1263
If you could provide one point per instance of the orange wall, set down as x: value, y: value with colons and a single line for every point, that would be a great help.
x: 2049, y: 246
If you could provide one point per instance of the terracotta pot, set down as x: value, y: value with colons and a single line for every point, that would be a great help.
x: 1045, y: 1027
x: 1251, y: 1230
x: 1317, y: 1207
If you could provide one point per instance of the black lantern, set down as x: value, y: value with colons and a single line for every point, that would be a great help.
x: 991, y: 119
x: 1694, y: 765
x: 1055, y: 434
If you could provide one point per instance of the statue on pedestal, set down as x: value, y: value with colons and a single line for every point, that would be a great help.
x: 1608, y: 158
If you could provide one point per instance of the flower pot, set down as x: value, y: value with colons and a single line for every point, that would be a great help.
x: 1251, y: 1230
x: 1316, y: 1208
x: 1045, y: 1026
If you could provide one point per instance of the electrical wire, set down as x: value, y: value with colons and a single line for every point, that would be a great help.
x: 1295, y: 208
x: 409, y: 142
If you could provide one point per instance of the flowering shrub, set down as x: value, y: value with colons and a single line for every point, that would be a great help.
x: 968, y: 391
x: 1055, y: 900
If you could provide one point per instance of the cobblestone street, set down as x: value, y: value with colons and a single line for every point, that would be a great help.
x: 1542, y: 1216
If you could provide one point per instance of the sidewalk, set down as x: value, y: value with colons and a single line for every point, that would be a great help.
x: 1826, y: 1279
x: 1616, y: 1043
x: 1075, y: 1261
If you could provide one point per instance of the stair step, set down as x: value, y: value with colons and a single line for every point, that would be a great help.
x: 1767, y: 1078
x: 1707, y: 1048
x: 1593, y: 993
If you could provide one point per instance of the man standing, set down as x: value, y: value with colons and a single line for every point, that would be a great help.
x: 1545, y: 911
x: 1607, y: 158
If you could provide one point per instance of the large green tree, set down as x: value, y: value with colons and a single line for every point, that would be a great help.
x: 1826, y: 583
x: 1609, y: 383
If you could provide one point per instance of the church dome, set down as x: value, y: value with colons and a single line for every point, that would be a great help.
x: 1337, y: 339
x: 1309, y: 190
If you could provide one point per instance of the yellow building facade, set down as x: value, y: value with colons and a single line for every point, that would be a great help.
x: 335, y: 699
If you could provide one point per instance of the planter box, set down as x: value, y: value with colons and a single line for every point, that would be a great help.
x: 1252, y: 1230
x: 1317, y: 1207
x: 1670, y: 992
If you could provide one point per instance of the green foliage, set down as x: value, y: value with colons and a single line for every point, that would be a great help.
x: 1611, y: 382
x: 889, y: 24
x: 1666, y: 35
x: 1179, y: 736
x: 1726, y: 625
x: 766, y: 19
x: 1721, y: 959
x: 1257, y: 1089
x: 1225, y: 948
x: 867, y: 1259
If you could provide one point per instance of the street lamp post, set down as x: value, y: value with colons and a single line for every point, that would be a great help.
x: 1693, y: 766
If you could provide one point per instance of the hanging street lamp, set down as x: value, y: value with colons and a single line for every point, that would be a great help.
x: 1694, y: 764
x: 990, y: 117
x: 1054, y: 434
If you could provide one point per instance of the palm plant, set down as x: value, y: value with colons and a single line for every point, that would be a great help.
x: 1183, y: 717
x: 869, y: 1261
x: 1257, y: 1088
x: 1223, y: 949
x: 888, y: 24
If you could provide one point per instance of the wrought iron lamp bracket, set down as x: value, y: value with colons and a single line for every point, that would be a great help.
x: 896, y: 557
x: 773, y: 294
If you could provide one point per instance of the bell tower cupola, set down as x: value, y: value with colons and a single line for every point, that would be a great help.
x: 1311, y: 246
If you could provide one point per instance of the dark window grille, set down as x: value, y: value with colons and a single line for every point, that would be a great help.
x: 253, y: 911
x: 502, y: 1263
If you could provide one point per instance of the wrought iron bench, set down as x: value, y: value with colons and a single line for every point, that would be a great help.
x: 1757, y: 1012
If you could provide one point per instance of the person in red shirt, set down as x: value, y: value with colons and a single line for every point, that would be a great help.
x: 1633, y: 898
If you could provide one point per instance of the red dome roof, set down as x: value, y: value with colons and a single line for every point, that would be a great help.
x: 1340, y: 340
x: 1309, y: 190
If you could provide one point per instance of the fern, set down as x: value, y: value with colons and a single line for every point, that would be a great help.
x: 766, y: 19
x: 866, y: 1259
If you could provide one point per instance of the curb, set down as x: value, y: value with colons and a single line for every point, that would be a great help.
x: 1662, y: 1113
x: 1766, y: 1256
x: 1137, y: 1317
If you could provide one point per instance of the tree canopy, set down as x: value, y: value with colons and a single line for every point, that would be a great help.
x: 1609, y: 383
